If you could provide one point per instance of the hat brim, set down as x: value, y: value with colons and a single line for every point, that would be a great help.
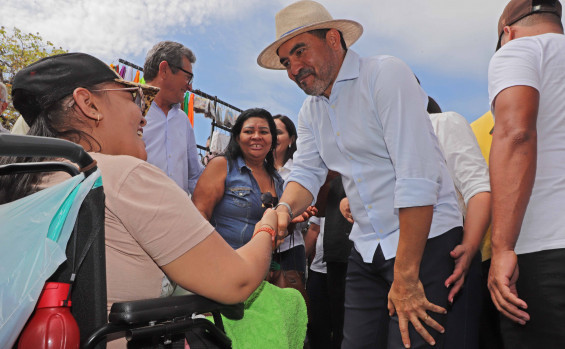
x: 149, y: 92
x: 351, y: 31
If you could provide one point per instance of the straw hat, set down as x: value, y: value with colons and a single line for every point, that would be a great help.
x: 301, y: 17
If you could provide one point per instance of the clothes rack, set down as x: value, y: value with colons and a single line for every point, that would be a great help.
x: 201, y: 94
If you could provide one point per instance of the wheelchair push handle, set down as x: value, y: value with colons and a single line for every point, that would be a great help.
x: 28, y: 146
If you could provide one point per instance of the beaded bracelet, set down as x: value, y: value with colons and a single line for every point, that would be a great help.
x: 269, y: 230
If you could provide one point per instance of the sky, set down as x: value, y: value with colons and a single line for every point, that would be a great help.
x: 448, y: 44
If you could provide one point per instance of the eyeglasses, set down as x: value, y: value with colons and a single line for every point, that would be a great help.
x: 190, y: 75
x: 137, y: 93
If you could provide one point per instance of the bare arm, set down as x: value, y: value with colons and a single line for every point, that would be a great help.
x: 475, y: 226
x: 406, y: 296
x: 210, y: 187
x: 512, y: 173
x: 310, y: 238
x: 214, y: 270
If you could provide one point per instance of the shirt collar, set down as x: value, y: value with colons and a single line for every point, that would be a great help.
x: 241, y: 164
x: 349, y: 70
x: 350, y: 67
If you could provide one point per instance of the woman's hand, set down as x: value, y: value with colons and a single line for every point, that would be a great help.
x: 270, y: 220
x: 463, y: 256
x: 346, y: 210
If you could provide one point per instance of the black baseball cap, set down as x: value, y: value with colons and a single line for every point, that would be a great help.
x: 515, y: 10
x: 40, y: 84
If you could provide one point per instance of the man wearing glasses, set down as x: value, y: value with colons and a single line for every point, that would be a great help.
x: 169, y: 137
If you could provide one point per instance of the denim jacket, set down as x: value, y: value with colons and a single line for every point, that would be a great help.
x: 236, y: 214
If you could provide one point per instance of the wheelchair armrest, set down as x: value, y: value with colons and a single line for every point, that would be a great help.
x: 163, y: 309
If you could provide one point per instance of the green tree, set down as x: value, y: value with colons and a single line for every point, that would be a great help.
x: 17, y: 50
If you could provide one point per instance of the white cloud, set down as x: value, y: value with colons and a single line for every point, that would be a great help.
x: 108, y: 29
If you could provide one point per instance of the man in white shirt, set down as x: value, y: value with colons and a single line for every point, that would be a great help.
x: 366, y: 119
x: 168, y: 135
x: 527, y: 168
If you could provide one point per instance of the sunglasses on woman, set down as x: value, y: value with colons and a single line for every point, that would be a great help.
x: 137, y: 93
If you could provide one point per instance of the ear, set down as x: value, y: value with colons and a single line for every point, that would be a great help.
x: 510, y: 33
x: 87, y: 104
x: 292, y: 139
x: 164, y: 68
x: 333, y: 38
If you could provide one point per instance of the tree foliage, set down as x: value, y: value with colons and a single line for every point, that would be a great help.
x: 17, y: 50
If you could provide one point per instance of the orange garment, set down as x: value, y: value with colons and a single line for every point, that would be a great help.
x: 190, y: 111
x: 136, y: 79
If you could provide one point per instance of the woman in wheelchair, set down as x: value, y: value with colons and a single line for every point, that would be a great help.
x: 152, y: 227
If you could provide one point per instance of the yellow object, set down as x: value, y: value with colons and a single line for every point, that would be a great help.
x: 482, y: 128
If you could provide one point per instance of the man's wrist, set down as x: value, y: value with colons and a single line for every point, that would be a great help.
x: 289, y: 210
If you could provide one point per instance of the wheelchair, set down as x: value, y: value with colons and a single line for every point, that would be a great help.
x: 152, y: 323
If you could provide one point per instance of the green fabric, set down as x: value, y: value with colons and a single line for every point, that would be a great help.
x: 58, y: 221
x: 274, y: 318
x: 98, y: 183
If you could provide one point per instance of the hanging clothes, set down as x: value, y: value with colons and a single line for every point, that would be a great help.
x: 191, y: 110
x: 128, y: 75
x: 123, y: 71
x: 219, y: 142
x: 136, y: 78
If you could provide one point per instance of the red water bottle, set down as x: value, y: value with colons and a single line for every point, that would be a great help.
x: 52, y: 326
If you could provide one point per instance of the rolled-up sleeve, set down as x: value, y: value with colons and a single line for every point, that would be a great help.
x: 408, y: 134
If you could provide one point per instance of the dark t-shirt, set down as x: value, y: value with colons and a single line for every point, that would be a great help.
x: 337, y: 245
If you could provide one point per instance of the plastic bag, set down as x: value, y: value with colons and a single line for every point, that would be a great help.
x: 28, y: 256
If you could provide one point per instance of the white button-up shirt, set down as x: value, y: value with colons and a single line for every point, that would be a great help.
x: 375, y: 131
x: 171, y: 145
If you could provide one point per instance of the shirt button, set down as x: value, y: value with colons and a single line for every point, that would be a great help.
x: 380, y: 231
x: 378, y: 240
x: 358, y: 180
x: 337, y: 134
x: 370, y: 206
x: 350, y: 157
x: 169, y: 156
x: 333, y: 106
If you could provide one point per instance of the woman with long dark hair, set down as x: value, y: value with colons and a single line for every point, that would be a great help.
x: 235, y: 189
x: 291, y: 254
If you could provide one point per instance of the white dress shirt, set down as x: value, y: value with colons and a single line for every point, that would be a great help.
x: 375, y: 131
x: 171, y: 145
x: 465, y: 162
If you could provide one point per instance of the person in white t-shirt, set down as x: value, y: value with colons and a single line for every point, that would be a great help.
x: 527, y: 97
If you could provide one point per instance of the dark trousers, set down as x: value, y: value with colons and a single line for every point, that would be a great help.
x: 541, y: 284
x: 462, y: 329
x: 489, y: 330
x: 336, y: 292
x: 367, y: 323
x: 319, y: 326
x: 326, y: 293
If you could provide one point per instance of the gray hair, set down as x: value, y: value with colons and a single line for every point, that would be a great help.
x: 169, y: 51
x: 3, y: 93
